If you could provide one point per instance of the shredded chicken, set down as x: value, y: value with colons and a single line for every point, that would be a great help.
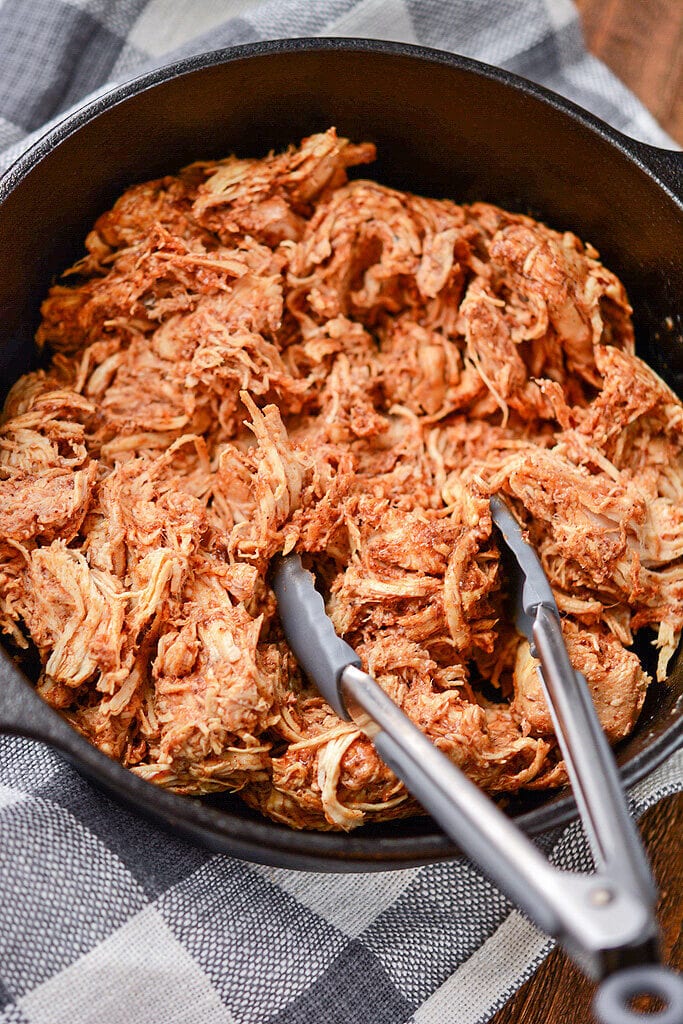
x: 261, y: 355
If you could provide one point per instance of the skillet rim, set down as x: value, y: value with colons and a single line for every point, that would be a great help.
x: 660, y: 164
x: 262, y: 840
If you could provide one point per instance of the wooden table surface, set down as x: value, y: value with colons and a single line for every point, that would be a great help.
x: 642, y: 42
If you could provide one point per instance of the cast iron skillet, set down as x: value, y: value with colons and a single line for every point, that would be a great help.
x: 444, y: 126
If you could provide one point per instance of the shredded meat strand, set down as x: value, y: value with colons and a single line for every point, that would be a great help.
x: 261, y: 355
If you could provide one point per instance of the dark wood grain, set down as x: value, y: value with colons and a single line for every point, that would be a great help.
x: 558, y: 993
x: 642, y: 42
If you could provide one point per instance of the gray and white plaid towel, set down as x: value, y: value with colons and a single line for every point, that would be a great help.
x: 104, y: 920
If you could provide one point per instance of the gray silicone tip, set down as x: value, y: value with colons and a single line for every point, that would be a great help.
x: 321, y: 653
x: 537, y: 590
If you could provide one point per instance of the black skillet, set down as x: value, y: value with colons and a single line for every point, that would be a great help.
x: 444, y: 126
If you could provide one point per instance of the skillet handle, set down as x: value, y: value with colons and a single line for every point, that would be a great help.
x: 24, y: 713
x: 613, y: 998
x: 666, y: 164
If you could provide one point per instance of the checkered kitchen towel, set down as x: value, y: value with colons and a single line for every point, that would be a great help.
x: 104, y: 920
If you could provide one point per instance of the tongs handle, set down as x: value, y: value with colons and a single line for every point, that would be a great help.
x: 567, y: 905
x: 563, y: 905
x: 462, y: 810
x: 592, y: 770
x: 591, y: 767
x: 570, y: 906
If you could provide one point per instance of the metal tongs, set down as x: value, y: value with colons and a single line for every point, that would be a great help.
x: 605, y: 921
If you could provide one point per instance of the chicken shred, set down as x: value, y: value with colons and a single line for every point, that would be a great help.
x: 261, y: 355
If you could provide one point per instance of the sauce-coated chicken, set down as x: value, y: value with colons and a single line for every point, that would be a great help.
x: 261, y: 355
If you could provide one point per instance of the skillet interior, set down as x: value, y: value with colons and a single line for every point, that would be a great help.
x: 444, y: 126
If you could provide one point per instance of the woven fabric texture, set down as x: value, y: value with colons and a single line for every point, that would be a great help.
x: 103, y: 919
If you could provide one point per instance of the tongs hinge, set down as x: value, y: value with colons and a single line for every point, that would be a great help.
x: 598, y: 918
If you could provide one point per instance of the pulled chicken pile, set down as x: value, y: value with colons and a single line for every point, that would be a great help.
x: 256, y: 356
